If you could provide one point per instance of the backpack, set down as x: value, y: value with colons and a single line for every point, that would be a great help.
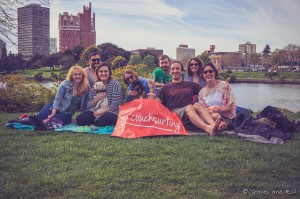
x: 282, y: 122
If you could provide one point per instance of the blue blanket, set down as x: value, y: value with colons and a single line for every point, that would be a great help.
x: 73, y: 127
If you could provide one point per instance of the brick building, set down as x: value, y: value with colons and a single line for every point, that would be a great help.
x: 77, y: 30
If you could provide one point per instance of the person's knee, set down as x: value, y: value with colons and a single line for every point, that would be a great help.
x: 189, y: 109
x: 198, y: 106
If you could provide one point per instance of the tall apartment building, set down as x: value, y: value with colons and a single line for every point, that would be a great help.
x: 2, y: 46
x: 247, y: 48
x: 77, y: 30
x: 53, y: 46
x: 33, y: 30
x: 184, y: 53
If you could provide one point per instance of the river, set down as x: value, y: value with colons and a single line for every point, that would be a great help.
x: 257, y: 96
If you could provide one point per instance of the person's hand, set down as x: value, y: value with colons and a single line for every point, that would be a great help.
x: 214, y: 109
x: 99, y: 112
x: 151, y: 83
x: 100, y: 96
x: 50, y: 116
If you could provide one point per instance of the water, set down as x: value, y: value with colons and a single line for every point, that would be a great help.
x: 257, y: 96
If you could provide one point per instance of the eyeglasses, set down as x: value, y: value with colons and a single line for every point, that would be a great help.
x: 193, y: 64
x: 208, y: 71
x: 95, y: 60
x: 128, y: 78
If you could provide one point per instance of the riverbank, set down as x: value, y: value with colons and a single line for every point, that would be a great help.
x: 268, y: 81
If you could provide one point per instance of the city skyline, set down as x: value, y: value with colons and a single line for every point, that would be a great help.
x: 196, y: 23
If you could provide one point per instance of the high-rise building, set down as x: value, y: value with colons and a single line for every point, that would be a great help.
x: 184, y: 53
x: 77, y: 30
x: 53, y: 46
x: 2, y: 46
x: 247, y: 48
x: 33, y: 30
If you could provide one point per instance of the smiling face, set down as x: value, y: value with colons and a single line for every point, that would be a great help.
x: 194, y: 66
x: 129, y: 78
x: 164, y: 64
x: 176, y: 72
x: 77, y: 76
x: 95, y: 61
x: 208, y: 74
x: 103, y: 74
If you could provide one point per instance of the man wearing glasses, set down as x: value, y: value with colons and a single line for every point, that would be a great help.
x: 95, y: 60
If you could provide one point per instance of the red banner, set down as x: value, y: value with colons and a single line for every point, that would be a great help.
x: 147, y: 117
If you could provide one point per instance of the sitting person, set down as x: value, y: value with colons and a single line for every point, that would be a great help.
x: 107, y: 116
x: 177, y: 96
x: 137, y: 86
x: 217, y: 96
x: 194, y: 67
x: 68, y: 99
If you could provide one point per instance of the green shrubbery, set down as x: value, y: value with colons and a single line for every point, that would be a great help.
x: 21, y: 95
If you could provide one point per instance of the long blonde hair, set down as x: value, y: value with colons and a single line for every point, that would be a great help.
x: 84, y: 84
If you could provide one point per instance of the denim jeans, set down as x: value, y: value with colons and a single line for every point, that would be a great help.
x: 45, y: 111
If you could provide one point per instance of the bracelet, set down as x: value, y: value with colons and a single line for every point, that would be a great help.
x: 152, y: 94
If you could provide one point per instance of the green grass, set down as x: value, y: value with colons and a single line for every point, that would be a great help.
x: 45, y: 164
x: 46, y: 72
x: 261, y: 75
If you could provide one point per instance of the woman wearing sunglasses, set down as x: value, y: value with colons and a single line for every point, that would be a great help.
x: 217, y: 96
x: 194, y: 68
x: 142, y: 83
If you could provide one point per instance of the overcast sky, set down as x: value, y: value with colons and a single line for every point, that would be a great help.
x: 164, y: 24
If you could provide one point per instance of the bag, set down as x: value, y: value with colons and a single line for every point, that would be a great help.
x: 282, y: 122
x: 147, y: 117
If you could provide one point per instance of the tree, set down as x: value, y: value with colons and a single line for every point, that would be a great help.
x: 254, y: 59
x: 267, y: 49
x: 76, y: 51
x: 118, y: 61
x: 135, y: 60
x: 109, y: 50
x: 204, y: 57
x: 293, y: 54
x: 8, y: 18
x: 146, y: 53
x: 149, y: 61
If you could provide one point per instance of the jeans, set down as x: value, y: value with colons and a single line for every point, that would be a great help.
x: 45, y: 111
x: 87, y: 118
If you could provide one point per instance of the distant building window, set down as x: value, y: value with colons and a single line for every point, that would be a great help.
x: 65, y: 22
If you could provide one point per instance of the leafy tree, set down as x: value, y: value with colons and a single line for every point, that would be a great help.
x: 4, y: 52
x: 76, y: 51
x: 254, y: 59
x: 267, y: 49
x: 118, y: 61
x: 149, y: 61
x: 146, y: 53
x: 135, y: 59
x: 66, y: 61
x: 204, y: 57
x: 292, y: 54
x: 109, y: 50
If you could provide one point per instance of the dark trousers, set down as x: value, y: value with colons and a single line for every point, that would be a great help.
x: 87, y: 118
x: 45, y: 111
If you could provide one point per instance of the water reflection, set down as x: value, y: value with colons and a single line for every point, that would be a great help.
x: 257, y: 96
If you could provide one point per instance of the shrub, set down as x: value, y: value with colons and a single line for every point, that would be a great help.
x: 21, y: 95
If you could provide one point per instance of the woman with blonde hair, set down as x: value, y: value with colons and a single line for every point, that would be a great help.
x: 68, y: 99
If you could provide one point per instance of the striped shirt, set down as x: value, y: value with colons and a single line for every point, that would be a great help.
x: 114, y: 96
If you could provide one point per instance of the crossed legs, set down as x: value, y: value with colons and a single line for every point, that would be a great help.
x: 201, y: 118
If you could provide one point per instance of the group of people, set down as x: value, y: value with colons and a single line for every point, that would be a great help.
x: 198, y: 97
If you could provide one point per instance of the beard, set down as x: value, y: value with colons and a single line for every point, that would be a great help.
x: 94, y: 65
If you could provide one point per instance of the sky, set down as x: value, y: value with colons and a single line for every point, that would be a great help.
x: 165, y: 24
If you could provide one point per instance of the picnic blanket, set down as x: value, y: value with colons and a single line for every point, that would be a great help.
x: 73, y: 127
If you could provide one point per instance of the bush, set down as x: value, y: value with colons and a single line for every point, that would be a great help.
x: 21, y: 95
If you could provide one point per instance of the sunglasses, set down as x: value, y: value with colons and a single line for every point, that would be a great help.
x: 208, y: 71
x: 194, y: 64
x: 95, y: 60
x: 128, y: 78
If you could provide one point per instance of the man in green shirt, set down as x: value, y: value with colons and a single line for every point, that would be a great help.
x: 161, y: 74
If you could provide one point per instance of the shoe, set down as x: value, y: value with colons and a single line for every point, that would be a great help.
x: 38, y: 125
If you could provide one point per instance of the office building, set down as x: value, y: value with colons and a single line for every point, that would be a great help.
x: 184, y: 53
x: 53, y: 46
x: 2, y: 47
x: 77, y: 30
x: 247, y: 48
x: 152, y: 50
x: 33, y: 30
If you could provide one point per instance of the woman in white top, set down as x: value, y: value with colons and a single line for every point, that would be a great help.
x: 217, y: 96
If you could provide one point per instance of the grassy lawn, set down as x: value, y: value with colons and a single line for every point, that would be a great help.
x: 261, y: 75
x: 46, y: 164
x: 46, y: 72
